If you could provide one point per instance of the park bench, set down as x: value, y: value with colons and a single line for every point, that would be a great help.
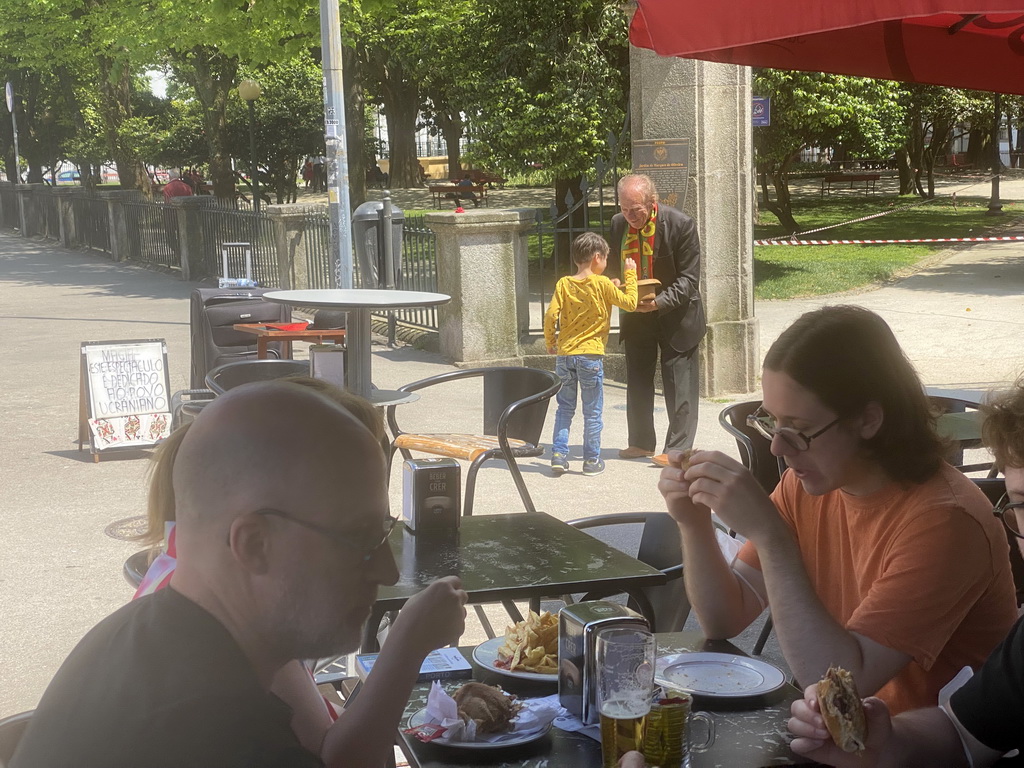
x: 829, y: 179
x: 454, y: 192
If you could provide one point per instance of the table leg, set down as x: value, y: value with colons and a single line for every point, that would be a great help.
x: 261, y: 347
x: 358, y: 340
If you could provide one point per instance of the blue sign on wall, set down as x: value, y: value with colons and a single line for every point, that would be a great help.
x: 762, y: 111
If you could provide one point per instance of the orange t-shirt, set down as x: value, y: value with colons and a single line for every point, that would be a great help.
x: 923, y: 569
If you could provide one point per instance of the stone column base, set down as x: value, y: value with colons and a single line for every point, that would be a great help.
x: 730, y: 357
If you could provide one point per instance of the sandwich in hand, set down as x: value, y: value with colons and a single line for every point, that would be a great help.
x: 842, y: 710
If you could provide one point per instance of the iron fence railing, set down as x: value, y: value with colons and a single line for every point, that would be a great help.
x: 47, y: 221
x: 316, y: 237
x: 220, y: 225
x: 152, y: 233
x: 419, y: 270
x: 92, y: 223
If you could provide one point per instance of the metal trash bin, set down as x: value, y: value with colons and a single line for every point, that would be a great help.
x: 371, y: 242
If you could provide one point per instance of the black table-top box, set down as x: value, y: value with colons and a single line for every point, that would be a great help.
x: 431, y: 495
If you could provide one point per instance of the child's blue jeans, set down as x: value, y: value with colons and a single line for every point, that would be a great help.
x: 585, y: 372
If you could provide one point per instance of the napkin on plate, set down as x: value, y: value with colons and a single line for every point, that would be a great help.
x: 534, y: 716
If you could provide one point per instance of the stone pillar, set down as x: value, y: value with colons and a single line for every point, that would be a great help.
x: 119, y: 245
x: 29, y: 209
x: 477, y: 255
x: 66, y: 214
x: 290, y: 244
x: 710, y: 105
x: 190, y: 235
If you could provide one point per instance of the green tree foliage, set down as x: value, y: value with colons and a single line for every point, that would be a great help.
x: 809, y: 109
x: 289, y: 119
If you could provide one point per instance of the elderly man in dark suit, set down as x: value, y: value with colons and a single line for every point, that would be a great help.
x: 664, y: 243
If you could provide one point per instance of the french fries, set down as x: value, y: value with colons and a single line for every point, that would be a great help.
x: 531, y: 645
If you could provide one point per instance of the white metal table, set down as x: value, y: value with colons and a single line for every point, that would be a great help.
x: 359, y: 302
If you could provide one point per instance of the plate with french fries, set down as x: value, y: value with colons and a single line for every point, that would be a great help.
x: 529, y: 649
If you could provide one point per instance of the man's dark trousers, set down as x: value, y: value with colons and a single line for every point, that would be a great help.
x: 680, y: 375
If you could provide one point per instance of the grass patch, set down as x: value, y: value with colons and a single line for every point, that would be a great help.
x: 783, y: 272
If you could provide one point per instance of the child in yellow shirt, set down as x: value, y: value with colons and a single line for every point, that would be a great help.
x: 576, y: 329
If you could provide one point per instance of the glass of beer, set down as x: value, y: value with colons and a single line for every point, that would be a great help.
x: 625, y: 684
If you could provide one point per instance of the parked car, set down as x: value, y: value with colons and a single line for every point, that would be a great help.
x: 69, y: 177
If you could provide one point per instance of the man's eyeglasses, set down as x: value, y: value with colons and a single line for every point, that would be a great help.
x: 636, y: 209
x: 766, y: 426
x: 367, y: 546
x: 1008, y: 514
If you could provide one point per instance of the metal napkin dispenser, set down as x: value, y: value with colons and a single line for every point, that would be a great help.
x: 431, y: 495
x: 578, y: 625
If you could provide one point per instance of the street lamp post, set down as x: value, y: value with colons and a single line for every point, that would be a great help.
x: 250, y: 90
x: 995, y: 208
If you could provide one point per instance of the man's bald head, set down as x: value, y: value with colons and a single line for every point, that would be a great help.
x: 263, y: 445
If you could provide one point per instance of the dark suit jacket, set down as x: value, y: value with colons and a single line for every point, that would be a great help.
x: 677, y: 265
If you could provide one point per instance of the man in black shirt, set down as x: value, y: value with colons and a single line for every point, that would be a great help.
x: 282, y: 521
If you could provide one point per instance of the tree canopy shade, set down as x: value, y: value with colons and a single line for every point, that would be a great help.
x: 976, y: 45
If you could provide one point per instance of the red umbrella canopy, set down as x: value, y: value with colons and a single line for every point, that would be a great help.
x: 925, y: 41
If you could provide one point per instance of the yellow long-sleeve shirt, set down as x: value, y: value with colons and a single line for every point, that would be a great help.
x: 582, y: 309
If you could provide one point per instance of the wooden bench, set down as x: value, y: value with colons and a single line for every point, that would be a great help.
x: 829, y: 179
x: 454, y: 192
x: 486, y: 177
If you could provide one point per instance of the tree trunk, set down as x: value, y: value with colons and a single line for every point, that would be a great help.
x: 782, y: 206
x: 451, y: 127
x: 116, y: 107
x: 212, y: 75
x: 906, y: 170
x: 355, y: 125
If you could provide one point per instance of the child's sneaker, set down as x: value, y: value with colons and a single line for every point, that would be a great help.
x: 559, y: 464
x: 592, y: 466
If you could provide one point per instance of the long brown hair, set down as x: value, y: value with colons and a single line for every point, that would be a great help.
x: 849, y: 357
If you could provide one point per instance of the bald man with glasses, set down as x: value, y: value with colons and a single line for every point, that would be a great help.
x: 282, y: 523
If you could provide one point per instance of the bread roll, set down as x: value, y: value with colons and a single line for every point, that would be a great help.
x: 490, y: 707
x: 842, y: 710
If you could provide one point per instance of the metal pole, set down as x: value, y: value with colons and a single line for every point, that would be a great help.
x: 338, y: 207
x: 386, y: 242
x: 995, y: 208
x: 253, y: 168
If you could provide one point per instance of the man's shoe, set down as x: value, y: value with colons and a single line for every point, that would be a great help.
x: 559, y: 464
x: 635, y: 453
x: 593, y: 467
x: 661, y: 459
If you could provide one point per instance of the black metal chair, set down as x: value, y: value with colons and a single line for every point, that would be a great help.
x: 515, y: 406
x: 136, y: 565
x: 995, y: 488
x: 755, y: 451
x: 225, y: 377
x: 667, y: 605
x: 11, y: 730
x: 756, y: 454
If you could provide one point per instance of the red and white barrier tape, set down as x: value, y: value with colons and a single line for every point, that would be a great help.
x: 1013, y: 239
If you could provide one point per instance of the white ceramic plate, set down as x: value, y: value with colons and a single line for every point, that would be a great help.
x: 486, y: 654
x: 509, y: 740
x: 720, y: 675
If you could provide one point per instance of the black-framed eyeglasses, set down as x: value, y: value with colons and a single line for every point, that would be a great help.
x: 367, y: 547
x: 766, y: 426
x: 1009, y: 520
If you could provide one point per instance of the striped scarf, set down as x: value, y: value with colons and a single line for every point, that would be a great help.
x: 642, y: 252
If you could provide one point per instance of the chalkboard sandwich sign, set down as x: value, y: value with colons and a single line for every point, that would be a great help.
x: 125, y: 395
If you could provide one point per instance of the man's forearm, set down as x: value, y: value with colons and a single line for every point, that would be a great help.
x: 364, y: 735
x: 811, y: 640
x: 724, y: 606
x: 925, y: 738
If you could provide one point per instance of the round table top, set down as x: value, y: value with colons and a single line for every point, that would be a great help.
x: 356, y: 298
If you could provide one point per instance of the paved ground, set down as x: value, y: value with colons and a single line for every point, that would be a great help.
x: 960, y: 321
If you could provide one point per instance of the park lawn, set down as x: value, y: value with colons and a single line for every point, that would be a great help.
x: 784, y: 272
